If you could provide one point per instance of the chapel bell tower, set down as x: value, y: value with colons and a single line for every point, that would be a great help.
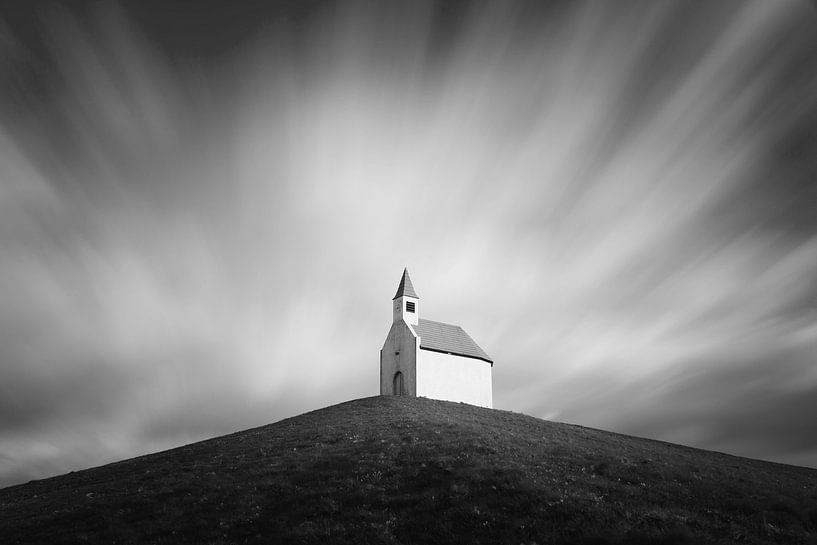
x: 405, y: 301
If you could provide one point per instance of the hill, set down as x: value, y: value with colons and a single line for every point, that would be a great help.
x: 406, y: 470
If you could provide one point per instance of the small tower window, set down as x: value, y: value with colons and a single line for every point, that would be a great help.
x: 409, y: 306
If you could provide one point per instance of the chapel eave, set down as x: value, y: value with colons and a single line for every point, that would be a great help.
x: 443, y: 351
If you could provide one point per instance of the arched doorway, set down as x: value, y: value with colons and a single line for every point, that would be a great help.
x: 398, y: 384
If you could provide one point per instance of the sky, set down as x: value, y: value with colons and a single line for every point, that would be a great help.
x: 206, y: 208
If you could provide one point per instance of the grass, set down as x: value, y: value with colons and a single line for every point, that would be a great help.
x: 406, y: 470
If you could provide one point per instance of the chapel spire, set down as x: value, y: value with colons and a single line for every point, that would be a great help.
x: 405, y: 302
x: 405, y: 289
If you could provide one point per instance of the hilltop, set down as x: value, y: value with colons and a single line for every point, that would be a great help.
x: 407, y: 470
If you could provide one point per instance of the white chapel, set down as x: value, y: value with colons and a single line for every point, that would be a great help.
x: 423, y: 358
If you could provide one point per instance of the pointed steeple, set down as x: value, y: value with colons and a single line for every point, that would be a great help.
x: 405, y: 289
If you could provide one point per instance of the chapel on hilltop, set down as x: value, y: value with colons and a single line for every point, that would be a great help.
x: 423, y: 358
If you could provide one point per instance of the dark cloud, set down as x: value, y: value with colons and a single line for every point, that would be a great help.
x: 760, y: 405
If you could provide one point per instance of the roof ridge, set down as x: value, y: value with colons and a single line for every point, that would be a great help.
x: 439, y: 322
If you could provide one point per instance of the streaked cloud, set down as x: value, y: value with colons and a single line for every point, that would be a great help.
x: 613, y: 200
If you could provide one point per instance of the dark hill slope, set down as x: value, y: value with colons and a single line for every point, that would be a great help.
x: 404, y: 470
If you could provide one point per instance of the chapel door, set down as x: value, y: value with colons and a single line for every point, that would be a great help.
x: 398, y: 384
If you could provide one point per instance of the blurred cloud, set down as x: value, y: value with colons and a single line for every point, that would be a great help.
x: 198, y: 236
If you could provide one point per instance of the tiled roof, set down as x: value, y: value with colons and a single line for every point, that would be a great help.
x: 448, y: 338
x: 405, y: 289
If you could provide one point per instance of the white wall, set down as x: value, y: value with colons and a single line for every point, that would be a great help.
x: 454, y: 378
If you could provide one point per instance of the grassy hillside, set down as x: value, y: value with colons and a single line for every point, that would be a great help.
x: 404, y: 470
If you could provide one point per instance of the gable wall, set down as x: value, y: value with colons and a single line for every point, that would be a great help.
x: 454, y: 378
x: 400, y: 339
